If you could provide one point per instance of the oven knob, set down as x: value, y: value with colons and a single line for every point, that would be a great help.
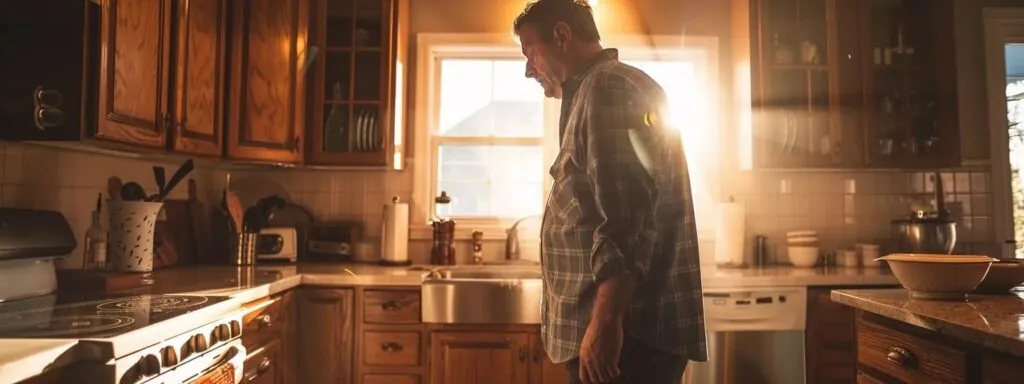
x: 149, y: 366
x: 236, y: 328
x: 170, y: 358
x: 214, y: 339
x: 199, y: 343
x: 186, y: 349
x: 223, y: 332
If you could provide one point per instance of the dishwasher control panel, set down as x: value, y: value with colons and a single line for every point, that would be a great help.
x: 755, y: 309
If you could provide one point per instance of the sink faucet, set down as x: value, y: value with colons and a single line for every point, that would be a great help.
x: 512, y: 239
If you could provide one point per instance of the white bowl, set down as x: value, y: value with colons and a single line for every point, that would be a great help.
x: 803, y: 257
x: 939, y: 277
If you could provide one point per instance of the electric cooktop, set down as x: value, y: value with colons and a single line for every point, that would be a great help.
x: 77, y: 316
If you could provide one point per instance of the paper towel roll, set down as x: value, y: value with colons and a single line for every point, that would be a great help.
x: 729, y: 234
x: 396, y: 234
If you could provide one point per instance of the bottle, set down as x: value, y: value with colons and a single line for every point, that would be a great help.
x: 443, y: 251
x: 95, y: 255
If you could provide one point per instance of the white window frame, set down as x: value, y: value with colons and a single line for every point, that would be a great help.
x: 1001, y: 26
x: 431, y: 48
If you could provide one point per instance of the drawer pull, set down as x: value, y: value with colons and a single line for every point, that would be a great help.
x: 265, y: 322
x: 391, y: 305
x: 902, y: 357
x: 391, y: 347
x: 522, y: 354
x: 260, y: 369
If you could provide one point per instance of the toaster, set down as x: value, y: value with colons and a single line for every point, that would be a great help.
x: 278, y: 244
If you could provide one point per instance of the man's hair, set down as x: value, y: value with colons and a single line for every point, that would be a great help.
x: 544, y: 14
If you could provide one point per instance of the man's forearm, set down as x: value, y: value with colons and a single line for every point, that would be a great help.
x: 613, y: 297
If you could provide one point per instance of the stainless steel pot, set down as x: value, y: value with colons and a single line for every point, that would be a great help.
x: 929, y: 235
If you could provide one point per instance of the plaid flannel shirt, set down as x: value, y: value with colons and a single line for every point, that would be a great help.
x: 611, y: 213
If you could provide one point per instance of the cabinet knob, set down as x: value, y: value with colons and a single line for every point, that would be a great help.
x: 902, y: 357
x: 295, y: 146
x: 522, y: 354
x: 391, y: 305
x: 265, y: 321
x: 167, y: 123
x: 264, y: 365
x: 391, y: 347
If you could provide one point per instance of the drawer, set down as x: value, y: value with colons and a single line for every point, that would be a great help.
x: 266, y: 321
x: 391, y: 306
x: 906, y: 357
x: 261, y: 365
x: 377, y: 378
x: 391, y: 348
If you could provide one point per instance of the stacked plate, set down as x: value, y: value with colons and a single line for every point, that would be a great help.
x: 939, y: 277
x: 803, y: 248
x: 366, y: 131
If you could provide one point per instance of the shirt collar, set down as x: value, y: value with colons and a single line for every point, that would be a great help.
x: 573, y: 81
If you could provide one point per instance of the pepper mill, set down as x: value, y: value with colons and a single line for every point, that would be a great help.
x: 443, y: 251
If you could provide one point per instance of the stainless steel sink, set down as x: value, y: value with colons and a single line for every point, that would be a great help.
x: 482, y: 295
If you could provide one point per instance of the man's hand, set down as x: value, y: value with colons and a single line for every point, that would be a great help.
x: 599, y: 354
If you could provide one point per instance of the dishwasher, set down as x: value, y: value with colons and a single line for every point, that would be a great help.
x: 755, y: 335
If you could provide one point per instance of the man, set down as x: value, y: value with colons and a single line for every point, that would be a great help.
x: 622, y: 297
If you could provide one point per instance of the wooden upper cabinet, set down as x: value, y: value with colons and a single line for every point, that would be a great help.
x: 199, y: 76
x: 355, y: 106
x: 268, y: 89
x: 852, y: 83
x: 908, y: 73
x: 135, y: 72
x: 795, y: 84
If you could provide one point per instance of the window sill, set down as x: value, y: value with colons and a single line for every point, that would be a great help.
x: 462, y: 231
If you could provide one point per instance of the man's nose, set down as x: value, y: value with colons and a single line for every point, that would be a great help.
x: 530, y: 72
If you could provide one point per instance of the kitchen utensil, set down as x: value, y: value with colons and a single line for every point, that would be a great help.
x: 114, y: 185
x: 257, y: 216
x: 939, y: 276
x: 1002, y: 277
x: 201, y: 229
x: 179, y: 175
x: 132, y: 191
x: 235, y: 211
x: 803, y: 257
x: 160, y: 175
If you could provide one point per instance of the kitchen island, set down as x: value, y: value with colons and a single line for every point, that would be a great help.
x: 370, y: 315
x: 901, y: 339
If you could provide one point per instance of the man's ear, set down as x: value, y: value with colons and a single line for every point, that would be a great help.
x: 562, y: 35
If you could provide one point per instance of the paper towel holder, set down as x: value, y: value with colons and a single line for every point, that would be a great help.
x: 392, y: 260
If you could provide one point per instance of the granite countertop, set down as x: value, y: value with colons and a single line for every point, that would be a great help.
x: 993, y: 321
x: 22, y: 359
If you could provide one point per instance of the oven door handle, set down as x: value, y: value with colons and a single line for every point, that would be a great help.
x: 232, y: 353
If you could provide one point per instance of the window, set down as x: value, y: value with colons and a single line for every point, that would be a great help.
x: 485, y: 134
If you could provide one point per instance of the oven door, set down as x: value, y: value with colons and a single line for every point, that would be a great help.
x: 221, y: 365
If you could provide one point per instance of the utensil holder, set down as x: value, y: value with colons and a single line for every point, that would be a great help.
x: 130, y: 235
x: 244, y: 248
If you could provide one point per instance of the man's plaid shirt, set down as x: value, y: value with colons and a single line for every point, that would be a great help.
x: 610, y: 213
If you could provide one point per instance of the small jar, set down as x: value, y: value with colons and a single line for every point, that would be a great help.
x: 868, y: 254
x: 846, y: 258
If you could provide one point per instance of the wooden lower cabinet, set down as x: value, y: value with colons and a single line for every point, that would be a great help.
x: 893, y: 352
x: 499, y: 355
x: 830, y: 340
x: 268, y: 334
x: 262, y: 366
x: 325, y: 336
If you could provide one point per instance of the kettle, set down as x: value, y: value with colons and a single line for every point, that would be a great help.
x: 927, y: 232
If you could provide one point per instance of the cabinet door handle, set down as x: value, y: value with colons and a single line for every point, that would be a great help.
x: 167, y: 123
x: 902, y: 357
x: 295, y: 147
x: 537, y: 354
x: 522, y: 354
x: 265, y: 321
x: 391, y: 305
x: 391, y: 346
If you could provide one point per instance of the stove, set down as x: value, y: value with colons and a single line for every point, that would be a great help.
x: 91, y: 317
x: 147, y: 337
